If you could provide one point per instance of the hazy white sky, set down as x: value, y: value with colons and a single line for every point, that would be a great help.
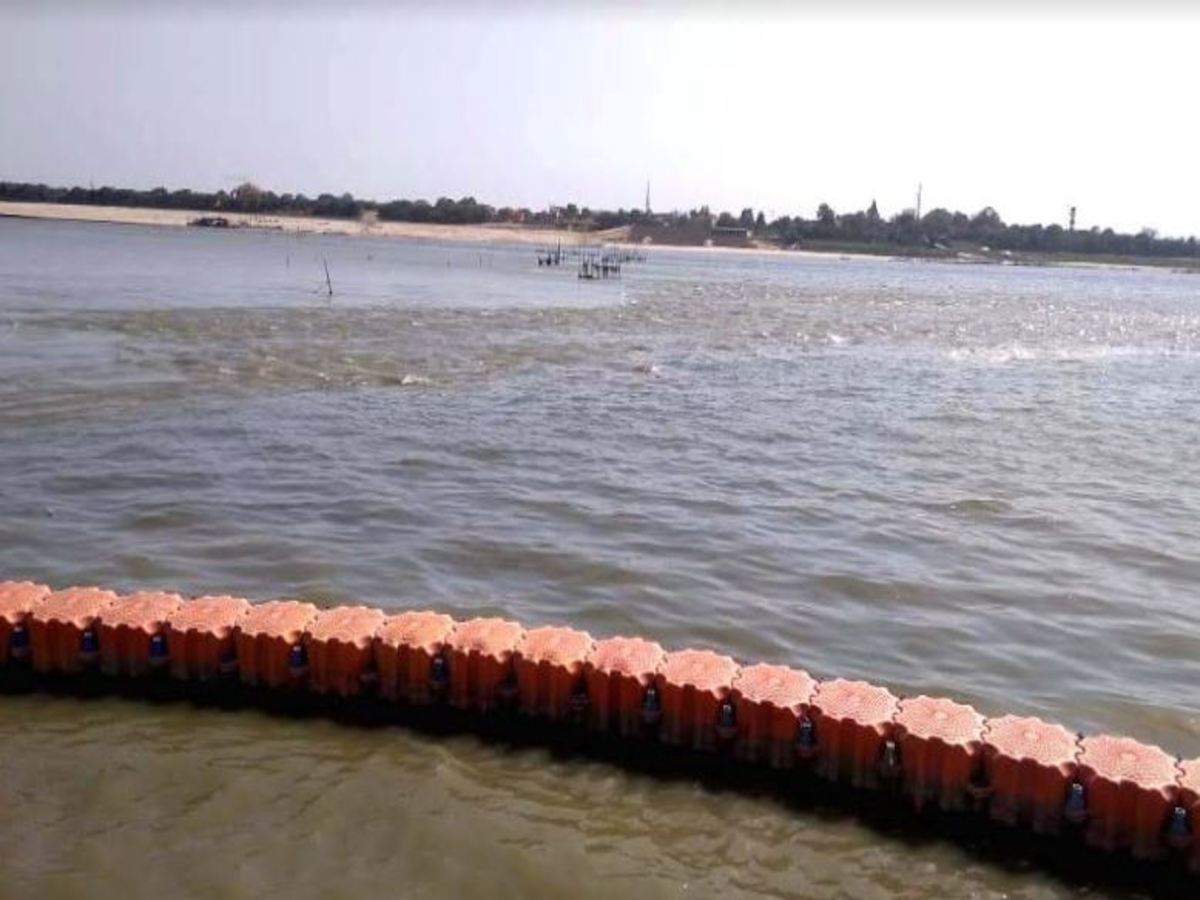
x: 1029, y: 111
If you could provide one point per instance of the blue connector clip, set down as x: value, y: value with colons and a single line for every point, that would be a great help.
x: 651, y: 706
x: 806, y: 738
x: 89, y: 645
x: 158, y: 649
x: 1075, y: 810
x: 298, y: 661
x: 18, y: 642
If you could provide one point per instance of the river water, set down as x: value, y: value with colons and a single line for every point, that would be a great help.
x: 978, y: 481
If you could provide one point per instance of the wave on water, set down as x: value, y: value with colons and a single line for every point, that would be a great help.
x: 971, y: 507
x: 1078, y: 353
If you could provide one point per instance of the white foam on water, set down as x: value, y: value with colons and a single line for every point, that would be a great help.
x: 1078, y: 353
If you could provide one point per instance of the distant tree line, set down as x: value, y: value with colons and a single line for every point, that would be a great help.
x: 250, y: 198
x: 936, y: 230
x: 940, y: 228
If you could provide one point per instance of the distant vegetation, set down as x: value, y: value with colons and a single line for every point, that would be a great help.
x: 936, y: 231
x: 942, y: 228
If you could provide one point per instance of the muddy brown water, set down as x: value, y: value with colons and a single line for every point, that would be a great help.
x: 970, y: 480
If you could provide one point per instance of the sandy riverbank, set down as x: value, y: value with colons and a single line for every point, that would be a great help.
x: 476, y: 234
x: 532, y: 236
x: 469, y: 234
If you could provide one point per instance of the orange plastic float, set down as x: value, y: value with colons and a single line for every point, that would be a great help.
x: 1029, y: 766
x: 771, y: 703
x: 694, y: 687
x: 549, y: 668
x: 340, y: 654
x: 853, y: 722
x: 1128, y: 789
x: 1131, y: 796
x: 939, y: 743
x: 17, y: 599
x: 622, y: 694
x: 200, y: 637
x: 270, y: 647
x: 131, y: 632
x: 1185, y: 819
x: 480, y: 657
x: 63, y: 629
x: 409, y: 656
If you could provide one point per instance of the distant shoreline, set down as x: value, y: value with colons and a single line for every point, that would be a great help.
x: 494, y: 233
x: 541, y: 237
x: 180, y: 218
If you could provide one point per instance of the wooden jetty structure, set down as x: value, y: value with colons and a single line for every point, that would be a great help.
x: 550, y: 257
x: 594, y: 261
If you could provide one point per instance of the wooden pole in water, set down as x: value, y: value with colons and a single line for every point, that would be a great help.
x: 328, y: 280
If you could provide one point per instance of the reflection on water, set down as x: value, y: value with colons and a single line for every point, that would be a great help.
x: 967, y: 480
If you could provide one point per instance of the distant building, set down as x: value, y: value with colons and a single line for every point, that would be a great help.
x: 695, y: 231
x: 731, y: 231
